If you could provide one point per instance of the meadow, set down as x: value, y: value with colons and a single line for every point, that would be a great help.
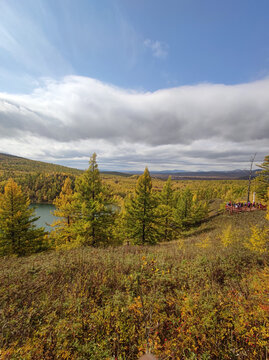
x: 204, y: 296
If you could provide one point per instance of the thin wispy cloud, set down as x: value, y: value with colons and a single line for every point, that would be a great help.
x: 158, y: 48
x: 26, y: 45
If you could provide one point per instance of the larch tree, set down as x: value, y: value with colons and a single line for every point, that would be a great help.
x: 262, y: 180
x: 189, y: 209
x: 166, y: 211
x: 183, y: 210
x: 63, y: 232
x: 93, y: 208
x: 18, y: 233
x: 140, y: 215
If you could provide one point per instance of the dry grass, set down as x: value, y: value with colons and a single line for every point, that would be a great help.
x: 189, y: 299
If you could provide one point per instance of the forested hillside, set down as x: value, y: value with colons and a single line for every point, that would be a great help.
x: 15, y: 165
x: 41, y: 181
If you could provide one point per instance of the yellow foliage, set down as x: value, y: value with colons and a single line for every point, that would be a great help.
x: 259, y: 240
x: 68, y: 245
x: 227, y: 236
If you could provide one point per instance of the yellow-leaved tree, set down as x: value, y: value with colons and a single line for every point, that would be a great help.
x: 259, y: 239
x: 18, y: 232
x: 63, y: 234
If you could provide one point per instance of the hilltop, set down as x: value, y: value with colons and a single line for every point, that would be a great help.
x: 17, y: 164
x: 12, y: 163
x: 41, y: 181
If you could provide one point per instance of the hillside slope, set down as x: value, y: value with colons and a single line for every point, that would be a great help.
x: 16, y: 164
x: 194, y: 298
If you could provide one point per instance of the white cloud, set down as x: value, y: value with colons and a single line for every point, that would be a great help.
x: 159, y: 49
x: 191, y: 127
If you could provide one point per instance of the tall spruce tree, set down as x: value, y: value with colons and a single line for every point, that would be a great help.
x: 140, y: 215
x: 63, y: 232
x: 18, y: 233
x: 93, y: 207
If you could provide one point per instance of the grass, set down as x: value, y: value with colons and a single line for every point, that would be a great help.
x: 192, y: 298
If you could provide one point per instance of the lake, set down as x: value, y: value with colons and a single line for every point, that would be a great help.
x: 46, y: 218
x: 45, y: 213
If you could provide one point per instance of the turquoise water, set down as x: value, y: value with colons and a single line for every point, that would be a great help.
x: 45, y: 212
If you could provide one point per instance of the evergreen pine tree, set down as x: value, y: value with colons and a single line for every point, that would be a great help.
x: 18, y: 233
x: 140, y: 213
x: 93, y: 209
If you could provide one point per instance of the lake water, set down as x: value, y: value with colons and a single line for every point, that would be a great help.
x: 45, y: 212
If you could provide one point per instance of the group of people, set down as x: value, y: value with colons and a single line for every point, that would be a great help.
x: 240, y: 205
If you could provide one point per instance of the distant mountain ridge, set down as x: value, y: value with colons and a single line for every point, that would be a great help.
x: 200, y: 175
x: 211, y: 175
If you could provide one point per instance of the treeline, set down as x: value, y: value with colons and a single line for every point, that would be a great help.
x: 40, y: 181
x: 44, y: 188
x: 40, y: 187
x: 90, y: 214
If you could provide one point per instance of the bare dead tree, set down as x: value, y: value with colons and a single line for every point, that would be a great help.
x: 250, y: 174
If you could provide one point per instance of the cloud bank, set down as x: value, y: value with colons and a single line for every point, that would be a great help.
x: 200, y: 126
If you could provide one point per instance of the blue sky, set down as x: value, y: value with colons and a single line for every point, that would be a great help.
x: 126, y: 65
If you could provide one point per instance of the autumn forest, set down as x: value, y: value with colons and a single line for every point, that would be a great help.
x: 133, y: 264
